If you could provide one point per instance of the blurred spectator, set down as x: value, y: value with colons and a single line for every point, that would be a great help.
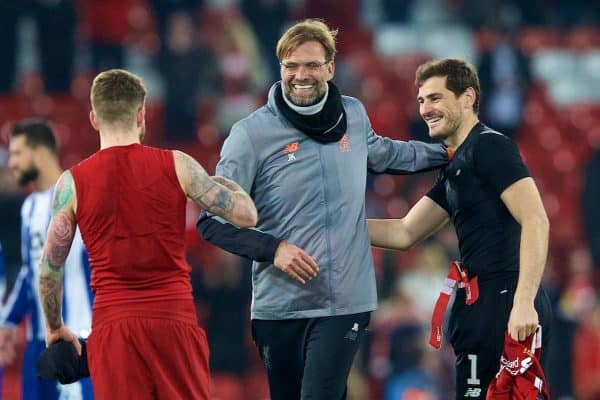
x: 164, y: 9
x: 267, y: 18
x: 413, y: 366
x: 108, y: 26
x: 579, y: 294
x: 505, y: 77
x: 591, y: 211
x: 10, y: 11
x: 225, y: 289
x: 396, y: 11
x: 10, y: 206
x: 56, y: 21
x: 188, y: 70
x: 423, y: 282
x: 586, y: 365
x: 236, y: 46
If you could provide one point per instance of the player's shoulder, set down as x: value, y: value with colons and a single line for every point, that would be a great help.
x: 352, y: 104
x: 257, y: 130
x: 490, y: 139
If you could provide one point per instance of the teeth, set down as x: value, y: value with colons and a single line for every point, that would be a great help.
x: 303, y: 86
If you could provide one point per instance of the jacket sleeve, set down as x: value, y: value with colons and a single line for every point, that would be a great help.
x: 248, y: 243
x: 399, y: 157
x: 239, y: 163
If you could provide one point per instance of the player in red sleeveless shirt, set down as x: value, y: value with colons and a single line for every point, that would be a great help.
x: 129, y: 203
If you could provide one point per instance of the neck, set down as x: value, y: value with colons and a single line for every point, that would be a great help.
x: 307, y: 110
x: 48, y: 176
x: 118, y: 138
x: 454, y: 141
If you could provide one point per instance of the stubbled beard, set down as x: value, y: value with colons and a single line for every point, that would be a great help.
x: 29, y: 175
x: 321, y: 89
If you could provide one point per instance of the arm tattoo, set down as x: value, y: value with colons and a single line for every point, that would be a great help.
x: 204, y: 191
x: 58, y: 240
x: 51, y: 297
x: 56, y: 249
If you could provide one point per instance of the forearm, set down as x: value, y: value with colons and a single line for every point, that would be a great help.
x: 399, y: 157
x: 248, y: 243
x: 388, y: 234
x: 51, y: 291
x: 533, y: 252
x: 242, y: 202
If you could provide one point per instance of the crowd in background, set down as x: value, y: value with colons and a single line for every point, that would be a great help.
x: 209, y: 63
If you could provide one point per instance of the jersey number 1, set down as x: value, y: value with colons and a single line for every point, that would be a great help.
x: 473, y: 380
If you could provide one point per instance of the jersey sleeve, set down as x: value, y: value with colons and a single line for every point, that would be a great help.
x: 498, y: 161
x: 438, y: 193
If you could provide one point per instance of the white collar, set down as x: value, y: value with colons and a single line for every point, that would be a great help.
x: 306, y: 110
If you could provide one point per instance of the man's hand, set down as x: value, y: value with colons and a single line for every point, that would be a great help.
x: 7, y: 346
x: 523, y: 320
x: 295, y: 262
x: 54, y: 335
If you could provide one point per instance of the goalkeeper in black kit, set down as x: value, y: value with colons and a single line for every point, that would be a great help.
x: 500, y: 222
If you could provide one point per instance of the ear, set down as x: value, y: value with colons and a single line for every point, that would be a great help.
x: 331, y: 69
x: 469, y: 97
x: 141, y: 116
x: 94, y: 121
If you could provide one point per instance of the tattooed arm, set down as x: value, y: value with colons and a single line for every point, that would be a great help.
x: 217, y: 195
x: 52, y: 266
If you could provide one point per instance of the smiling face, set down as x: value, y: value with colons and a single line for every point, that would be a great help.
x: 305, y: 73
x: 439, y: 107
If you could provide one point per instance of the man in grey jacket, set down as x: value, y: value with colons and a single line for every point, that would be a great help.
x: 303, y: 157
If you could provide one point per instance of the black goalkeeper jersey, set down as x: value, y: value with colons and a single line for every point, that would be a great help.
x: 469, y: 189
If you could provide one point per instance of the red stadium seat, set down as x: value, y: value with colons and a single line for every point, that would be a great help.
x: 534, y: 39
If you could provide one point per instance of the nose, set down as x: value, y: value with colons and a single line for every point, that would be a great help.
x: 426, y: 107
x: 302, y: 73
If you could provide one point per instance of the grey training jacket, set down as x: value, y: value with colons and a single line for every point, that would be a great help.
x: 313, y: 196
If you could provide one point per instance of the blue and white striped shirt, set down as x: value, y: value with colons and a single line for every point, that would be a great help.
x: 24, y: 299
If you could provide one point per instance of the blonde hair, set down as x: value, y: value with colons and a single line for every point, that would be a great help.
x: 305, y: 31
x: 117, y: 95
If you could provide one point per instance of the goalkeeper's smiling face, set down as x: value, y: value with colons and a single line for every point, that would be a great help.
x: 439, y: 107
x: 305, y: 73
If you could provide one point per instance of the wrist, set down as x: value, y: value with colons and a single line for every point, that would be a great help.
x: 523, y: 300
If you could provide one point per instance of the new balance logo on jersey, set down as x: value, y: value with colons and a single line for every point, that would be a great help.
x: 473, y: 392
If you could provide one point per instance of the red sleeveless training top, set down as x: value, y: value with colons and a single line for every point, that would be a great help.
x: 131, y: 214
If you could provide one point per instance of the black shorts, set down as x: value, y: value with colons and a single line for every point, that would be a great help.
x: 309, y: 358
x: 476, y: 333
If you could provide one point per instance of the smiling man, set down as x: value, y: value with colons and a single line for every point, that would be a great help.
x: 500, y: 222
x: 303, y: 158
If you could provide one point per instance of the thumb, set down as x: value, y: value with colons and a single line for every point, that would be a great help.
x: 77, y: 345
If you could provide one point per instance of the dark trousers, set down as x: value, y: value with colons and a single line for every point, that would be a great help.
x: 477, y: 333
x: 309, y: 359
